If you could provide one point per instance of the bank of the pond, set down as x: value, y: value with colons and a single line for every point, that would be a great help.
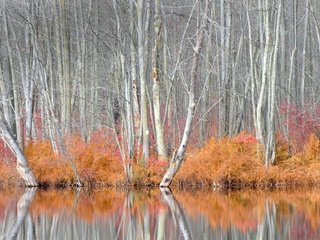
x: 226, y: 163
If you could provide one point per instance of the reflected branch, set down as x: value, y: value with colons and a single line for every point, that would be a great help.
x: 176, y: 212
x: 22, y: 210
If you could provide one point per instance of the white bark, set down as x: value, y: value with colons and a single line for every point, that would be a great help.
x: 264, y: 75
x: 23, y: 168
x: 134, y: 85
x: 143, y: 87
x: 252, y: 72
x: 179, y: 155
x: 15, y: 92
x: 222, y: 69
x: 161, y: 148
x: 270, y: 148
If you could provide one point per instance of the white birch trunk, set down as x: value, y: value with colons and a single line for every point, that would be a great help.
x: 23, y: 168
x: 264, y: 75
x: 178, y: 157
x: 143, y: 87
x: 30, y: 69
x: 135, y: 102
x: 161, y: 148
x: 16, y: 103
x: 222, y: 70
x: 252, y: 70
x: 270, y: 148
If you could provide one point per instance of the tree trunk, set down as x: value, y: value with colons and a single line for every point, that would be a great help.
x: 134, y: 85
x: 161, y: 148
x: 22, y: 163
x: 222, y: 79
x: 270, y: 148
x: 15, y: 92
x: 260, y: 133
x: 143, y: 86
x: 179, y: 155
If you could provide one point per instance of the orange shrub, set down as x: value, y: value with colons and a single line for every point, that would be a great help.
x: 238, y: 162
x: 225, y: 160
x: 230, y: 162
x: 48, y: 167
x: 151, y: 174
x: 95, y: 162
x: 304, y: 167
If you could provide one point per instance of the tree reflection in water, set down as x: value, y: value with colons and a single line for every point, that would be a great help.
x: 23, y: 214
x: 177, y: 213
x: 159, y: 215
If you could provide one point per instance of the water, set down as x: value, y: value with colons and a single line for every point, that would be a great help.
x: 152, y: 214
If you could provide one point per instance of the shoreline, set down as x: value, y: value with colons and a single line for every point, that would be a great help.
x: 226, y: 186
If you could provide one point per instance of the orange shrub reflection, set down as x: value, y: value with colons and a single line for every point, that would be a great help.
x: 246, y: 209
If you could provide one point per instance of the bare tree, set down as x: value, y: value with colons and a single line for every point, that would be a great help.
x: 178, y: 156
x: 161, y: 148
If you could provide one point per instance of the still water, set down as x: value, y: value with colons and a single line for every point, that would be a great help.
x: 154, y: 214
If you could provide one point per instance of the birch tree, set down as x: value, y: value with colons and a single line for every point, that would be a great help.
x: 178, y: 156
x: 15, y: 93
x: 270, y: 148
x: 134, y: 84
x: 161, y: 148
x: 140, y: 7
x: 23, y: 167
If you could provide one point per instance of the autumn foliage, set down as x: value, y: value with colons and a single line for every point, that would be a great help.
x: 230, y: 162
x: 96, y: 161
x: 238, y: 162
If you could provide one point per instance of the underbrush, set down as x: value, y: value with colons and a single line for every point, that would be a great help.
x: 230, y: 162
x: 238, y: 163
x: 96, y: 162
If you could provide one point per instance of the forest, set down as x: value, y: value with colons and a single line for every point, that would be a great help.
x: 222, y: 93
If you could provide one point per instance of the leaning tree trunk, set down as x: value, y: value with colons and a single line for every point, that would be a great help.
x: 179, y: 155
x: 22, y: 163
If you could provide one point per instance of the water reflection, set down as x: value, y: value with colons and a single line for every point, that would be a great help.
x: 155, y: 214
x: 23, y: 214
x: 177, y: 213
